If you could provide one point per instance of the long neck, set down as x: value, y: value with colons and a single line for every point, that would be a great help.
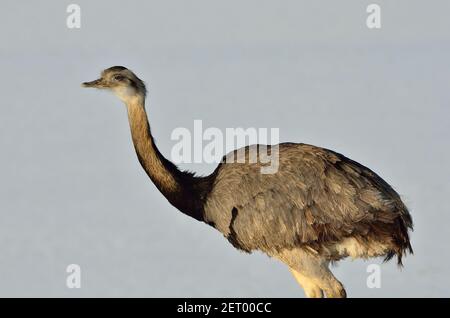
x: 177, y: 186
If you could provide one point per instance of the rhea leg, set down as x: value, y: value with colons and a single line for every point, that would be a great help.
x: 312, y: 273
x: 311, y: 289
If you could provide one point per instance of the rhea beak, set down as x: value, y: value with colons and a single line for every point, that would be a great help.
x: 98, y: 83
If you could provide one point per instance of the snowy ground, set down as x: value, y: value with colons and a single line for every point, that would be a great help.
x: 72, y: 191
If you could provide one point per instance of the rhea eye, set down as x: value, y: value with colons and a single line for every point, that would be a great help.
x: 118, y: 78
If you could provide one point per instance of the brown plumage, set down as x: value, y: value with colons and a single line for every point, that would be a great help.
x: 319, y: 206
x: 317, y: 198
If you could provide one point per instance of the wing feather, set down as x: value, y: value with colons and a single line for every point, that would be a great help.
x: 317, y: 197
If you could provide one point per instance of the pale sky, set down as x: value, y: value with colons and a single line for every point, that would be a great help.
x: 71, y: 188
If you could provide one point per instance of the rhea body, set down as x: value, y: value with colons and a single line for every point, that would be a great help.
x: 318, y: 208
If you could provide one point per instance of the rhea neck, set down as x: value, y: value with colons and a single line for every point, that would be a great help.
x: 178, y: 187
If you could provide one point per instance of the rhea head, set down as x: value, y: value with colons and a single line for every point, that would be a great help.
x: 123, y: 82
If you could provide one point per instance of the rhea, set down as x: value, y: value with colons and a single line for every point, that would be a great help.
x: 318, y: 208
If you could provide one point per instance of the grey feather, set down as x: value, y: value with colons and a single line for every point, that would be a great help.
x: 317, y: 198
